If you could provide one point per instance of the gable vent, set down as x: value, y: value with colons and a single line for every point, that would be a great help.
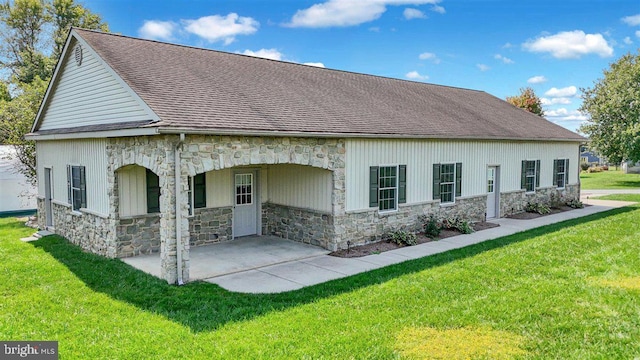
x: 78, y: 55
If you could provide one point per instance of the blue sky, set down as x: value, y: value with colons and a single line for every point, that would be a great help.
x: 555, y: 47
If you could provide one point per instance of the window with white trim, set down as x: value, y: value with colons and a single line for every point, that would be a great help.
x: 387, y: 186
x: 77, y: 187
x: 447, y: 182
x: 530, y: 175
x: 561, y: 172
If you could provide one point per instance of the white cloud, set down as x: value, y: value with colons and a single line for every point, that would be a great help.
x: 410, y: 13
x: 570, y: 45
x: 633, y: 20
x: 563, y: 114
x: 439, y: 9
x: 482, y: 67
x: 638, y: 34
x: 414, y: 75
x: 346, y: 12
x: 157, y: 30
x: 555, y: 101
x: 374, y: 29
x: 504, y: 59
x: 507, y: 45
x: 539, y: 79
x: 429, y: 56
x: 568, y: 91
x: 628, y: 41
x: 222, y: 28
x: 272, y: 54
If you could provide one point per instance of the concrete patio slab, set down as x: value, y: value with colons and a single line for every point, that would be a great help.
x: 234, y: 256
x: 302, y: 273
x: 383, y: 259
x: 255, y: 280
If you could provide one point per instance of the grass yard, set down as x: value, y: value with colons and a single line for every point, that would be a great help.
x: 569, y: 290
x: 612, y: 179
x: 621, y: 197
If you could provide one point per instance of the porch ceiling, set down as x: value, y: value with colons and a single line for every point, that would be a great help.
x: 241, y: 254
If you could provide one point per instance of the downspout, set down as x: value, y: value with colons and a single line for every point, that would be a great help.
x: 177, y: 174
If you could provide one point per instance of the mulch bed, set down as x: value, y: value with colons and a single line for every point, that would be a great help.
x: 532, y: 215
x: 379, y: 247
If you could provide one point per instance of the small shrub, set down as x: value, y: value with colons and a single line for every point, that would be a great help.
x: 402, y: 237
x: 431, y: 227
x: 575, y: 204
x: 539, y: 208
x: 584, y: 166
x: 458, y: 224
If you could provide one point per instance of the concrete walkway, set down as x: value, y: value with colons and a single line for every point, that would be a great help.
x: 314, y: 270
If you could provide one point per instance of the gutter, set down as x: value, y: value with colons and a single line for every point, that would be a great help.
x: 177, y: 168
x: 241, y: 132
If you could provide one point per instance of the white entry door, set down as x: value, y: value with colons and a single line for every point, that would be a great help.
x: 245, y: 214
x: 47, y: 197
x: 493, y: 192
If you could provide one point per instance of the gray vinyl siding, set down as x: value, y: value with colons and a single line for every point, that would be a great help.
x: 132, y: 189
x: 475, y: 156
x: 89, y: 94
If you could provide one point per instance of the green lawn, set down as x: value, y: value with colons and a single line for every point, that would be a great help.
x: 569, y: 290
x: 612, y: 179
x: 621, y: 197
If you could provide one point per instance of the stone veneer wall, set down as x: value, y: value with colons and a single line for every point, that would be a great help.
x: 303, y: 225
x: 211, y: 225
x: 514, y: 202
x: 368, y: 226
x: 137, y: 235
x: 90, y: 232
x: 41, y: 216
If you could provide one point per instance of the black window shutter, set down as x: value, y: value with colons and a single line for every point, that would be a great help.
x: 523, y: 175
x: 373, y: 186
x: 69, y: 184
x: 458, y: 179
x: 566, y: 172
x: 200, y: 191
x: 83, y: 187
x: 153, y: 192
x: 555, y: 172
x: 436, y: 181
x: 537, y: 173
x: 402, y: 184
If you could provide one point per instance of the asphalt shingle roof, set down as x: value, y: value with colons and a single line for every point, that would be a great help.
x: 194, y: 88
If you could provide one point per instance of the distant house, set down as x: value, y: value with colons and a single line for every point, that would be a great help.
x: 145, y: 146
x: 16, y: 195
x: 589, y: 157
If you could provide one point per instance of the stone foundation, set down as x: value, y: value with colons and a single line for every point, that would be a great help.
x: 210, y: 225
x: 303, y: 225
x: 365, y: 227
x: 515, y: 201
x: 90, y: 232
x: 41, y: 216
x: 137, y: 235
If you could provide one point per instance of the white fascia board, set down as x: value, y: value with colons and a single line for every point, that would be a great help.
x: 95, y: 134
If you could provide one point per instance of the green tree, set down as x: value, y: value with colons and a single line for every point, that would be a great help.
x: 527, y: 100
x: 16, y: 118
x: 613, y: 107
x: 33, y: 34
